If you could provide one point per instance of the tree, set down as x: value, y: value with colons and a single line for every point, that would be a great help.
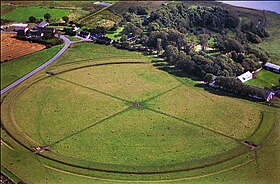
x: 47, y: 16
x: 65, y: 19
x: 171, y: 53
x: 208, y: 78
x: 32, y: 19
x: 159, y: 45
x: 203, y: 40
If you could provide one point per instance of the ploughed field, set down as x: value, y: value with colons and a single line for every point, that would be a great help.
x: 120, y: 115
x: 11, y: 48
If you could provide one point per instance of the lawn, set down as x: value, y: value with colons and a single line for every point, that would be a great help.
x: 174, y: 126
x: 265, y: 79
x: 21, y: 14
x: 73, y: 38
x: 14, y: 69
x: 115, y: 35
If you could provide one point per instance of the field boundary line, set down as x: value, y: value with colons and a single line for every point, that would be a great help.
x: 191, y: 123
x: 91, y: 125
x: 6, y: 144
x: 148, y: 181
x: 93, y: 89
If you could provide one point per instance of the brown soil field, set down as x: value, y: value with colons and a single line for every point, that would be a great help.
x: 12, y: 48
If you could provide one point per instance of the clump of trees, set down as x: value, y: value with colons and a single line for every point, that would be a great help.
x: 234, y: 85
x: 184, y: 18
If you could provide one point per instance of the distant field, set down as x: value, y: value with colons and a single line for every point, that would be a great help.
x: 21, y: 14
x: 265, y: 79
x: 13, y: 70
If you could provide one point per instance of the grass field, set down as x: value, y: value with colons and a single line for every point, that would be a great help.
x: 175, y: 126
x: 21, y: 14
x: 265, y: 79
x: 115, y: 35
x: 14, y: 69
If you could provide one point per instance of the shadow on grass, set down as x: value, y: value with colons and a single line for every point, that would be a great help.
x: 164, y: 66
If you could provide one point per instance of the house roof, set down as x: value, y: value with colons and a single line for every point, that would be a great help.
x: 270, y: 65
x: 245, y: 76
x: 43, y: 24
x: 46, y: 30
x: 19, y: 25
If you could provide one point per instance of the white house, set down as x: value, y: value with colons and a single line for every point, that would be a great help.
x: 245, y: 76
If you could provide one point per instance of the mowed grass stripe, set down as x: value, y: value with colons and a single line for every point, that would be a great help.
x: 194, y: 124
x: 264, y: 128
x: 112, y: 96
x: 90, y: 126
x: 160, y: 94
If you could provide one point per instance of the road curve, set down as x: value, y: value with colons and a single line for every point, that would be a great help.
x: 67, y: 43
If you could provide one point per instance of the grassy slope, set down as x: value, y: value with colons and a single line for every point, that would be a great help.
x: 21, y: 14
x: 86, y: 52
x: 13, y: 70
x: 271, y: 44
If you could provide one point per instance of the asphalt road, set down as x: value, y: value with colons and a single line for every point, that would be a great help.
x: 67, y: 43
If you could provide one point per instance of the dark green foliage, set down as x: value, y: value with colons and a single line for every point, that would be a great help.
x: 69, y: 31
x: 49, y: 42
x: 47, y: 16
x: 5, y: 21
x: 32, y: 19
x: 253, y: 37
x: 208, y: 78
x: 228, y: 44
x: 234, y: 85
x: 139, y: 10
x: 184, y: 18
x: 65, y: 19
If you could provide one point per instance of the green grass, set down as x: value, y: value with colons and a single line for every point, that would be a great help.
x: 14, y: 69
x: 10, y: 175
x: 21, y: 14
x: 271, y: 44
x: 115, y: 35
x: 73, y: 38
x: 177, y: 123
x: 86, y: 52
x: 265, y: 79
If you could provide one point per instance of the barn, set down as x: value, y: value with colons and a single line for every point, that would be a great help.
x: 272, y: 67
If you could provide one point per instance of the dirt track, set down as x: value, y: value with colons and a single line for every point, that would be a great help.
x: 12, y: 48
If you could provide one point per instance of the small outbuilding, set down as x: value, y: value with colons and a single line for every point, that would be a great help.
x: 272, y: 67
x: 245, y: 76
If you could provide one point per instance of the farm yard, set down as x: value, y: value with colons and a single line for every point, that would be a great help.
x: 115, y: 109
x: 12, y: 48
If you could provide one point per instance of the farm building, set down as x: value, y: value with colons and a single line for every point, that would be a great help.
x: 49, y: 31
x: 34, y: 34
x: 18, y: 27
x: 245, y: 76
x: 84, y: 34
x: 272, y: 67
x: 102, y: 3
x: 42, y: 24
x: 266, y: 94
